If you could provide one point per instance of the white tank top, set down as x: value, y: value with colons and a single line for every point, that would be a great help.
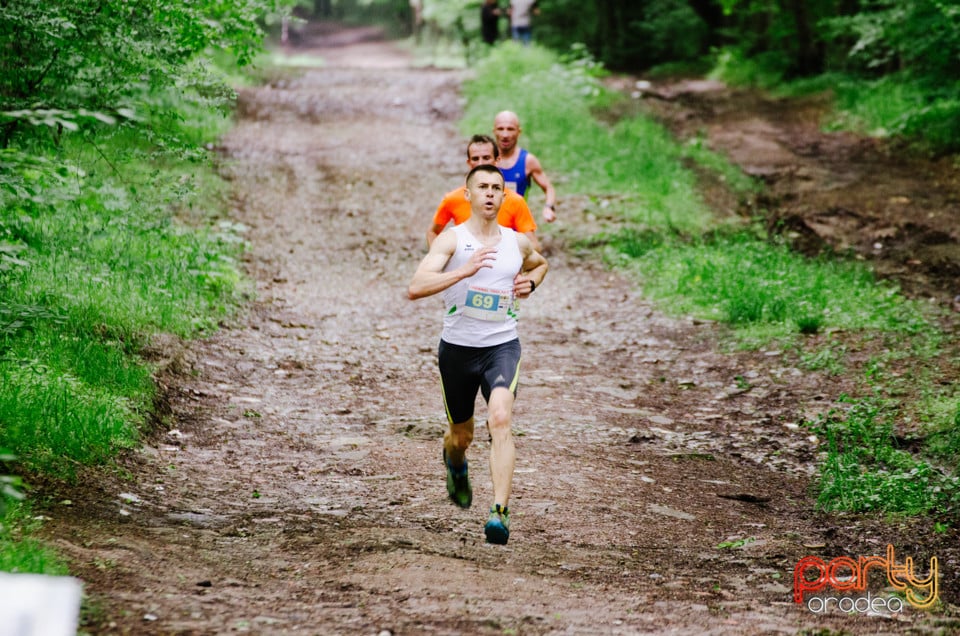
x: 481, y: 310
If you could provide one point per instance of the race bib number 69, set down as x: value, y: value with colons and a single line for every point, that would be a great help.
x: 487, y: 304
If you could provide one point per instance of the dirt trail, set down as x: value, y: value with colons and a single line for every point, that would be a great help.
x: 300, y: 487
x: 877, y: 200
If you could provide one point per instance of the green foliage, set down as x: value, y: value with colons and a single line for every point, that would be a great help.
x: 897, y: 105
x: 10, y: 485
x: 94, y: 267
x: 667, y: 30
x: 396, y: 16
x: 108, y: 221
x: 97, y: 59
x: 891, y: 63
x: 107, y: 106
x: 943, y: 428
x: 922, y: 35
x: 864, y: 470
x: 637, y: 159
x: 628, y: 36
x: 733, y: 66
x: 20, y: 553
x: 745, y: 282
x: 147, y: 271
x: 446, y: 15
x: 735, y: 543
x: 914, y: 43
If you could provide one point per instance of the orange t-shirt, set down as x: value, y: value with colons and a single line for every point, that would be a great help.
x: 513, y: 213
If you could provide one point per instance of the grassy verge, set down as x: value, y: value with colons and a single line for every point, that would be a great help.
x: 115, y: 240
x: 894, y: 105
x: 897, y: 445
x: 635, y: 166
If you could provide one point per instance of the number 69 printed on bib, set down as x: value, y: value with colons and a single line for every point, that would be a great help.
x: 487, y: 304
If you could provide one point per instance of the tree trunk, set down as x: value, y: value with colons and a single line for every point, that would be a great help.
x: 809, y: 56
x: 711, y: 13
x: 610, y: 30
x: 322, y: 8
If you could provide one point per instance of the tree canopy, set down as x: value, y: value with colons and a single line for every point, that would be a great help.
x: 66, y: 63
x: 909, y: 43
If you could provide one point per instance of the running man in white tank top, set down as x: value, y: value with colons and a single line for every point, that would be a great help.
x: 482, y: 271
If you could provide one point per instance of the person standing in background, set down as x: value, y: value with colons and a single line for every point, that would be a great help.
x: 490, y: 21
x: 521, y: 27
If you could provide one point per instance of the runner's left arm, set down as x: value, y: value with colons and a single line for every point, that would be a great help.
x: 538, y: 176
x: 533, y: 270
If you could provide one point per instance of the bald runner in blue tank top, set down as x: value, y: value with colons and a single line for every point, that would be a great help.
x: 519, y: 166
x: 515, y: 177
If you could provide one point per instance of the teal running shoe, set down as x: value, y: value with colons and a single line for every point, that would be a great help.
x: 458, y: 483
x: 497, y: 528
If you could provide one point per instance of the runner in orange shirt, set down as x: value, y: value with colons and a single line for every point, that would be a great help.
x: 514, y: 213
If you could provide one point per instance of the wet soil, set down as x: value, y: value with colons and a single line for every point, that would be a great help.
x: 877, y: 200
x: 663, y: 483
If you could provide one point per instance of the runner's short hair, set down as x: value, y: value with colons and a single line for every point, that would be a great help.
x: 484, y: 167
x: 484, y: 139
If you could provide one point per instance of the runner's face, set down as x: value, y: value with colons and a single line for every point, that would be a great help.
x: 506, y: 130
x: 478, y: 154
x: 485, y: 193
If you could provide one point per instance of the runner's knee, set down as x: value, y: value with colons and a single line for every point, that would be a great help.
x: 498, y: 418
x: 461, y: 434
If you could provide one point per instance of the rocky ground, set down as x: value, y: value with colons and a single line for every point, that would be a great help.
x: 296, y: 483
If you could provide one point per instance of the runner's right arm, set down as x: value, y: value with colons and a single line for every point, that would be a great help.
x: 430, y: 279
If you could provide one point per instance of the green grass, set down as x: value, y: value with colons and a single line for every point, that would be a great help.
x: 57, y: 420
x: 911, y: 104
x: 107, y: 255
x: 941, y: 414
x: 19, y: 552
x: 896, y: 105
x: 105, y: 241
x: 692, y: 263
x: 864, y: 470
x: 635, y: 159
x: 101, y: 267
x: 765, y: 292
x: 751, y: 284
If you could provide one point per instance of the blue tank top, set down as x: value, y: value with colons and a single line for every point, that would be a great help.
x: 515, y: 177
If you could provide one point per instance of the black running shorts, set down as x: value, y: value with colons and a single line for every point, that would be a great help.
x: 463, y: 370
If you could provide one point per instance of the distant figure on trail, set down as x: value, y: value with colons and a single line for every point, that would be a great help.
x: 490, y: 21
x: 481, y: 269
x: 519, y: 166
x: 514, y: 213
x: 416, y: 9
x: 521, y: 22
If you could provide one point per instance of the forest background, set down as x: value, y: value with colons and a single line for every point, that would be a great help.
x: 114, y: 231
x: 890, y: 64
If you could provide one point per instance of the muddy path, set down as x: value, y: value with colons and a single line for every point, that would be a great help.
x: 872, y: 199
x: 296, y: 484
